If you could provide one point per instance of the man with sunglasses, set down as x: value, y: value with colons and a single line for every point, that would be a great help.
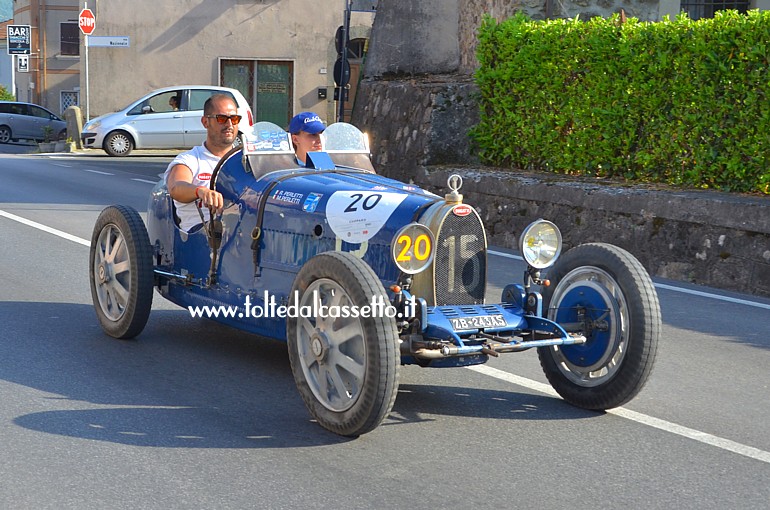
x: 189, y: 174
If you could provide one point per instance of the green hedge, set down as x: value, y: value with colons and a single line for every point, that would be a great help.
x: 681, y: 102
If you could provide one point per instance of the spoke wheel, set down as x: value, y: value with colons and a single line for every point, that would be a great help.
x: 604, y: 293
x: 120, y: 269
x: 346, y: 368
x: 5, y: 134
x: 118, y: 143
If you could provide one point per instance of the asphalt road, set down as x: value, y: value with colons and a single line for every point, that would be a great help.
x: 197, y: 415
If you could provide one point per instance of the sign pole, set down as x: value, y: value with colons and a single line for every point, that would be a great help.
x: 88, y: 110
x: 87, y: 24
x: 345, y: 35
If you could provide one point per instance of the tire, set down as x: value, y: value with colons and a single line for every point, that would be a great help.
x: 121, y: 272
x: 119, y: 144
x: 622, y: 325
x: 348, y: 383
x: 5, y: 134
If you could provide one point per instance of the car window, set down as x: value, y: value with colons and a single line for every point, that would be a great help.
x: 159, y: 103
x: 36, y: 111
x: 14, y: 108
x: 199, y: 96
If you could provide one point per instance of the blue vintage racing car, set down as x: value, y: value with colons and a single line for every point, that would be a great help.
x: 360, y: 274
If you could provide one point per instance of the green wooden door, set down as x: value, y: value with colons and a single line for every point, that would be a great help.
x: 274, y: 92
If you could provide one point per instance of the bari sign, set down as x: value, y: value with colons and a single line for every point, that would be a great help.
x: 19, y: 39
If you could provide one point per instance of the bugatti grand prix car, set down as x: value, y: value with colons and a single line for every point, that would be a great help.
x: 360, y: 274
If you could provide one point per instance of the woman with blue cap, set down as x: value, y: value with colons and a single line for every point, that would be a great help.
x: 306, y: 129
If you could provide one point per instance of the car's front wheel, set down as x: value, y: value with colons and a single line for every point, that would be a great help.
x: 121, y: 272
x: 5, y: 134
x: 345, y: 366
x: 118, y: 143
x: 603, y: 292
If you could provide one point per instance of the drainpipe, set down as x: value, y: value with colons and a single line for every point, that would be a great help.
x: 44, y: 53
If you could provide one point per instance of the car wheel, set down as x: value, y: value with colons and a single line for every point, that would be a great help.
x: 5, y: 134
x: 121, y: 272
x: 603, y: 292
x: 346, y: 368
x: 118, y: 143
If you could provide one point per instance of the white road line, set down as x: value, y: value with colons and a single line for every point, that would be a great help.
x: 45, y: 228
x: 673, y: 428
x: 97, y: 172
x: 712, y: 296
x: 504, y: 255
x: 145, y: 180
x: 696, y: 435
x: 61, y: 164
x: 669, y: 287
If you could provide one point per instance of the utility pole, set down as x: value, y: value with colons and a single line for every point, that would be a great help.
x: 344, y: 74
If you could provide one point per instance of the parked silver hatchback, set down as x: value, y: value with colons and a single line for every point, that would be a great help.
x: 26, y: 121
x: 167, y: 118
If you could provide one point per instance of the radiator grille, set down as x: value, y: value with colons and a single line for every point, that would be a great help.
x: 460, y: 267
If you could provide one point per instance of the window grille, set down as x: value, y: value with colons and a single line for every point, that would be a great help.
x: 69, y: 98
x: 697, y: 9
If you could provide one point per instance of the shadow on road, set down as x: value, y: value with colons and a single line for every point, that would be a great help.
x: 193, y: 383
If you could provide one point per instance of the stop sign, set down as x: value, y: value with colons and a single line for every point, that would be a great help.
x: 87, y: 21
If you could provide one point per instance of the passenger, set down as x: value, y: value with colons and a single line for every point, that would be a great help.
x: 189, y: 175
x: 306, y: 129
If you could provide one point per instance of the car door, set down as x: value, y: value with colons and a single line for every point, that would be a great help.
x: 23, y: 124
x: 42, y: 118
x: 156, y: 123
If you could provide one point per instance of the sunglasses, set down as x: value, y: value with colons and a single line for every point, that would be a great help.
x: 222, y: 119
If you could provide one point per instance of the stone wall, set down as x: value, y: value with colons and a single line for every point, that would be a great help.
x: 418, y: 103
x: 418, y: 129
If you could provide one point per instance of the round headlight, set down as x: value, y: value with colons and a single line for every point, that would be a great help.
x: 540, y: 244
x: 413, y: 248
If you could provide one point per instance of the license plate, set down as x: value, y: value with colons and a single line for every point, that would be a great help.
x: 482, y: 321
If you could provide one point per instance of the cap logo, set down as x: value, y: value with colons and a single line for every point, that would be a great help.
x: 313, y: 119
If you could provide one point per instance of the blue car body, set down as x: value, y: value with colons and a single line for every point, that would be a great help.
x: 293, y: 208
x: 334, y: 232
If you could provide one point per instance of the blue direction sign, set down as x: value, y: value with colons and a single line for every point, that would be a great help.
x: 19, y: 39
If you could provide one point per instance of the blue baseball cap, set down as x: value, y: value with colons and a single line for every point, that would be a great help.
x: 308, y: 122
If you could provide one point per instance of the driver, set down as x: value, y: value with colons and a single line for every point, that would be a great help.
x: 189, y: 174
x: 306, y: 129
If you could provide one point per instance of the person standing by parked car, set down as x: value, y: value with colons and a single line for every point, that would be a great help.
x: 189, y: 174
x: 306, y: 129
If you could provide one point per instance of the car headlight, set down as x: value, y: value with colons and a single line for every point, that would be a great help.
x: 412, y: 248
x: 91, y: 125
x: 540, y: 244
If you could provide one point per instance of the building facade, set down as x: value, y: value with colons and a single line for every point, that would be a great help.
x: 6, y: 60
x: 279, y: 53
x: 53, y: 78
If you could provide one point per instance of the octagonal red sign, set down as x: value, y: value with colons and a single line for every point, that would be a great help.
x: 87, y: 21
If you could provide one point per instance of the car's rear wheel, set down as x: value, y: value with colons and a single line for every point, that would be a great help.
x: 118, y: 143
x: 346, y: 368
x: 603, y: 292
x: 121, y: 272
x: 5, y: 134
